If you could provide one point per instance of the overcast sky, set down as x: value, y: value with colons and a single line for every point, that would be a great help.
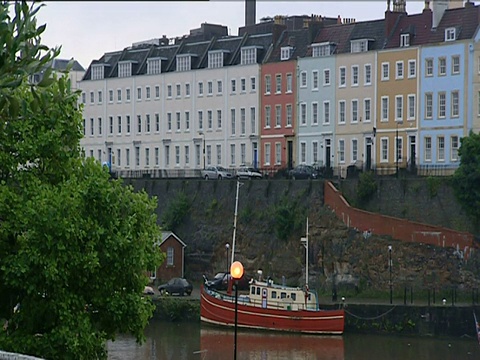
x: 87, y: 30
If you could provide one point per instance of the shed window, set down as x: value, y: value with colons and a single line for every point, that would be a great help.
x: 170, y: 255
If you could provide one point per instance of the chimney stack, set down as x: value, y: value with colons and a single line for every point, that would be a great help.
x: 250, y: 12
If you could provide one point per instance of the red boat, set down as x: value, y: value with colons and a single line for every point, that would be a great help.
x: 271, y: 306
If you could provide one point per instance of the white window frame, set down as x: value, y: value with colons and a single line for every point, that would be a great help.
x: 427, y: 144
x: 355, y: 75
x: 428, y: 105
x: 385, y: 71
x: 367, y: 75
x: 384, y: 151
x: 342, y: 109
x: 354, y: 111
x: 367, y: 110
x: 412, y: 68
x: 454, y: 145
x: 398, y: 107
x: 404, y: 40
x: 303, y: 79
x: 455, y: 104
x: 399, y: 70
x: 384, y: 108
x: 326, y: 77
x: 441, y: 148
x: 342, y: 77
x: 429, y: 67
x: 412, y: 106
x: 450, y: 34
x: 326, y: 112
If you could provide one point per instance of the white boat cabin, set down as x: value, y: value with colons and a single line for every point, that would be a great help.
x: 274, y: 296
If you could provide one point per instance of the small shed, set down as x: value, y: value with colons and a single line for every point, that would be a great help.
x: 174, y: 264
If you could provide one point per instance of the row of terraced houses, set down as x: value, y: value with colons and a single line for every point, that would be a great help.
x: 398, y: 92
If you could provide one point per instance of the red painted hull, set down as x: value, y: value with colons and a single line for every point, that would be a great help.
x: 221, y: 312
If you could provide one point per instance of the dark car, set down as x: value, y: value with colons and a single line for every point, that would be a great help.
x: 220, y: 282
x: 176, y: 286
x: 303, y: 172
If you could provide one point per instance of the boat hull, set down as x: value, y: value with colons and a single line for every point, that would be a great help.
x: 220, y: 311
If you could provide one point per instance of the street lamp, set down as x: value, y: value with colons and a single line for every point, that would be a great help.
x: 397, y: 143
x: 227, y: 247
x: 390, y: 270
x: 203, y: 134
x: 236, y: 270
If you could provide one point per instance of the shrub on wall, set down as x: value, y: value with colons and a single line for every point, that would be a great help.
x: 366, y: 188
x: 174, y: 214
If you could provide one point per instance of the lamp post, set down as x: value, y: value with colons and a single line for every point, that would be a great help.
x: 390, y: 270
x: 203, y: 134
x: 397, y: 143
x: 227, y: 247
x: 236, y: 270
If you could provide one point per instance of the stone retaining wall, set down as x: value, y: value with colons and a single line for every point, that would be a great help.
x: 11, y: 356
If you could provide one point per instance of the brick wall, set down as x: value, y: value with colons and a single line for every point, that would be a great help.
x: 399, y: 229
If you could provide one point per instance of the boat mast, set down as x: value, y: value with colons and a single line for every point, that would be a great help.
x: 304, y: 241
x: 235, y: 223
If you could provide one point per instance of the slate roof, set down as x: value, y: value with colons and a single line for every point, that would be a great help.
x: 417, y: 25
x: 466, y: 19
x: 373, y: 30
x: 338, y: 34
x: 139, y: 54
x: 61, y: 65
x: 298, y: 39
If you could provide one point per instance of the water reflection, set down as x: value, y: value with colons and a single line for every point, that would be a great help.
x: 192, y: 341
x: 216, y: 344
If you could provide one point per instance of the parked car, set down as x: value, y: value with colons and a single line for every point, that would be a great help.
x: 216, y: 172
x: 176, y: 286
x: 220, y: 282
x: 148, y: 291
x: 249, y: 173
x: 303, y: 172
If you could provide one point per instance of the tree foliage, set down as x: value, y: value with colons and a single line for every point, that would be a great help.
x: 74, y: 244
x: 466, y: 179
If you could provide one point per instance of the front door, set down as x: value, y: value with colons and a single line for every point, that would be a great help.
x: 328, y: 153
x: 411, y: 160
x: 290, y: 154
x: 368, y: 159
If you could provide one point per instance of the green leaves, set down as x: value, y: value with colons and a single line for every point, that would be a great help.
x: 75, y: 245
x: 466, y: 179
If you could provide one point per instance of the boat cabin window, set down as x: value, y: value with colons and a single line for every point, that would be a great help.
x: 293, y: 296
x: 274, y: 294
x: 283, y: 295
x: 258, y: 291
x: 252, y: 291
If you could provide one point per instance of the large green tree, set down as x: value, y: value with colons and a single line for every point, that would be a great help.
x: 74, y: 244
x: 466, y: 180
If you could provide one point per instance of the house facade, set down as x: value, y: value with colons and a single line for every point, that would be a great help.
x: 387, y: 94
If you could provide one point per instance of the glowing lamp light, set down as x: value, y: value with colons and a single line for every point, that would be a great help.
x: 236, y: 270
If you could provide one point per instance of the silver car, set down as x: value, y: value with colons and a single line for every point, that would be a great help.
x: 245, y: 172
x: 216, y: 172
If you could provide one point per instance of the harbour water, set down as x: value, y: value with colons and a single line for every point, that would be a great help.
x: 191, y: 341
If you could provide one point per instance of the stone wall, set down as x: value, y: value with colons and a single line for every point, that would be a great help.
x: 11, y: 356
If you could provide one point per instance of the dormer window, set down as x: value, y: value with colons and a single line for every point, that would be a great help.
x: 450, y: 34
x: 286, y: 52
x: 154, y: 66
x: 404, y: 40
x: 97, y: 72
x: 249, y: 55
x: 124, y: 69
x: 357, y: 46
x: 184, y: 62
x: 215, y: 59
x: 322, y: 49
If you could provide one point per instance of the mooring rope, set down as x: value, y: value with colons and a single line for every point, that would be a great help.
x: 370, y: 318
